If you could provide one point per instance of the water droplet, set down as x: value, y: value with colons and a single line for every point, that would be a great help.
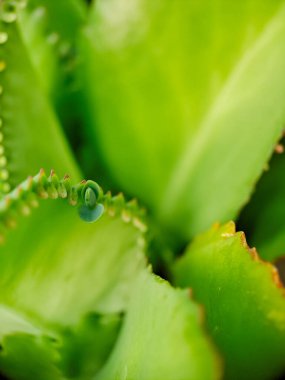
x: 91, y: 215
x: 3, y: 37
x: 2, y: 66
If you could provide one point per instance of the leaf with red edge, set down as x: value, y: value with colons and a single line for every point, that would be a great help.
x: 244, y: 301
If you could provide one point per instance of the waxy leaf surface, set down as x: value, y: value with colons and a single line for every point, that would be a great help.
x: 243, y: 298
x: 162, y: 337
x: 49, y: 30
x: 175, y: 104
x: 30, y: 132
x: 69, y: 269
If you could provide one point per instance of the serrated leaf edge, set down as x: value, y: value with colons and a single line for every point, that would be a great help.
x: 29, y: 193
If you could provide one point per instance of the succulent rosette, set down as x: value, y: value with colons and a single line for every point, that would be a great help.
x: 177, y: 108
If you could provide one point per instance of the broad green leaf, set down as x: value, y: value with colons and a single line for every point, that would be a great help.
x: 70, y: 269
x: 177, y: 92
x: 30, y: 133
x: 161, y: 338
x: 40, y: 47
x: 49, y: 30
x: 65, y: 17
x: 66, y: 253
x: 243, y: 299
x: 264, y: 216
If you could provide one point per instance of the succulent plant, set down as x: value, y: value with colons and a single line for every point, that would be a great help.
x: 181, y: 106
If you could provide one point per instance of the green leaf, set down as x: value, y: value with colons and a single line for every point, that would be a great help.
x: 49, y: 30
x: 69, y: 269
x: 88, y: 346
x: 65, y: 17
x: 30, y: 133
x: 51, y: 277
x: 175, y: 103
x: 243, y: 299
x: 162, y: 337
x: 30, y: 351
x: 27, y: 351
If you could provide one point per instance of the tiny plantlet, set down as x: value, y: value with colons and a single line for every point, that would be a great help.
x: 180, y: 105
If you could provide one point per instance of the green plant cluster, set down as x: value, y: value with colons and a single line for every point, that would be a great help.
x: 180, y: 105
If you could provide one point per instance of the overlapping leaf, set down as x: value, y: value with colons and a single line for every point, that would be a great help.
x: 161, y: 338
x: 69, y: 269
x: 243, y: 298
x: 27, y: 349
x: 175, y: 103
x: 49, y: 30
x: 30, y: 132
x: 49, y: 284
x: 173, y: 106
